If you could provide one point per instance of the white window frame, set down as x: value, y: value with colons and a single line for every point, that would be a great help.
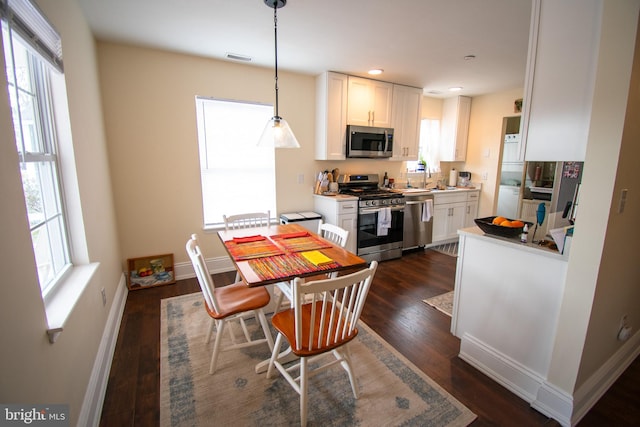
x: 236, y: 175
x: 23, y: 20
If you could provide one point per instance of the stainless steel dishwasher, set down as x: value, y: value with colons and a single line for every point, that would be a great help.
x: 417, y: 232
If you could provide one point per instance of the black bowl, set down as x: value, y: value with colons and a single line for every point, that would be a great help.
x: 488, y: 227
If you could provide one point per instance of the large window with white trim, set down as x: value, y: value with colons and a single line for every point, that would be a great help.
x: 237, y: 176
x: 29, y: 64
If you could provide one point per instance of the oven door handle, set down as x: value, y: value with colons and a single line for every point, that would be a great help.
x: 375, y: 210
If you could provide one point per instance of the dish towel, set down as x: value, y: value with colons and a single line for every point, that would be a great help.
x: 384, y: 221
x: 427, y: 210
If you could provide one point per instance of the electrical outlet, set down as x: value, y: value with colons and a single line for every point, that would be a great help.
x: 625, y: 330
x: 485, y: 176
x: 104, y: 296
x: 301, y: 178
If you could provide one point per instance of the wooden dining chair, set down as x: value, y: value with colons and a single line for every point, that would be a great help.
x: 326, y: 324
x: 229, y: 304
x: 246, y: 220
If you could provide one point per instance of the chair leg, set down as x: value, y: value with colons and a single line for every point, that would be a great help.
x: 345, y: 361
x: 274, y: 354
x: 216, y: 346
x: 303, y: 391
x: 210, y: 331
x: 278, y: 302
x: 265, y: 327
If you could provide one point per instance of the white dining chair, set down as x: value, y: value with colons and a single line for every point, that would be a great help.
x: 246, y: 220
x: 227, y: 305
x: 326, y: 324
x: 330, y: 232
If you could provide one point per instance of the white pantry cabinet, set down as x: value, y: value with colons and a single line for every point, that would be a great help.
x: 331, y: 116
x: 560, y: 79
x: 341, y: 211
x: 405, y: 121
x: 369, y: 102
x: 454, y: 133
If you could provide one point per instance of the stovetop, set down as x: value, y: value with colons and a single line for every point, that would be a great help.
x: 365, y: 187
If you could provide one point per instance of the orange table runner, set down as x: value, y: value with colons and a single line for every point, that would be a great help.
x: 269, y: 268
x: 298, y: 242
x: 252, y: 248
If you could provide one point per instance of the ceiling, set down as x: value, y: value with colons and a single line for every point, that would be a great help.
x: 421, y: 43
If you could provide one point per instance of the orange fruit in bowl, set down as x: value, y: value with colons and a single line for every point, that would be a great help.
x: 505, y: 223
x: 517, y: 223
x: 498, y: 220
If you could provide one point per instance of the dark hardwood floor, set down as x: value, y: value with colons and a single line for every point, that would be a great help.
x: 395, y: 310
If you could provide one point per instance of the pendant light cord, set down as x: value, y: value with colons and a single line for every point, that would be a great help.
x: 275, y: 33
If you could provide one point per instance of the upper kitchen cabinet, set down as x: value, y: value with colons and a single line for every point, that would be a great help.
x: 369, y: 102
x: 405, y: 120
x: 331, y: 116
x: 455, y: 128
x: 560, y: 79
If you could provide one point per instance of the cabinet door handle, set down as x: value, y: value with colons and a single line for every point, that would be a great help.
x: 373, y: 117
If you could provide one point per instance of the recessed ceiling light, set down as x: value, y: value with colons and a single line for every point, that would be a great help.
x: 455, y: 89
x: 376, y: 71
x: 238, y: 57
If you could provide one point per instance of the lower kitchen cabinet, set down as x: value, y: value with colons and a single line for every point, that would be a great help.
x: 341, y: 211
x: 453, y: 211
x: 473, y: 198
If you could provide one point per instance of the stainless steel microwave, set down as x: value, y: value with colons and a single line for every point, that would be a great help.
x: 369, y: 142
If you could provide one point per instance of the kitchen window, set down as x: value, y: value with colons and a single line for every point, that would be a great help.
x: 237, y: 176
x: 428, y: 147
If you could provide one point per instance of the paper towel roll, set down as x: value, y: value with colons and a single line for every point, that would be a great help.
x: 453, y: 177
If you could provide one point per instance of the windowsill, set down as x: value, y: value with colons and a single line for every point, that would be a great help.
x: 60, y: 304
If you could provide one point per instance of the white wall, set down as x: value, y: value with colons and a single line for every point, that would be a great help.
x: 33, y: 370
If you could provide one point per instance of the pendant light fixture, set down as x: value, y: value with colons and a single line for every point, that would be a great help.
x: 277, y: 132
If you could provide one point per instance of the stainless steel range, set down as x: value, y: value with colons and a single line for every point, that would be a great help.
x: 380, y: 217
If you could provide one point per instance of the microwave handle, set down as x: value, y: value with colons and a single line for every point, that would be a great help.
x: 386, y: 141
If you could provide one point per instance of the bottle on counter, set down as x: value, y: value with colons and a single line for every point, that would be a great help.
x: 525, y: 234
x: 385, y: 180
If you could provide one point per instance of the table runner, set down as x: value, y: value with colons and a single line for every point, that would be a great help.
x: 252, y: 249
x: 300, y: 243
x: 268, y: 268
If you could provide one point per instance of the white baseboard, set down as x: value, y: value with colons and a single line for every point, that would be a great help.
x: 97, y: 387
x: 511, y: 374
x: 554, y: 403
x: 184, y: 270
x: 588, y: 394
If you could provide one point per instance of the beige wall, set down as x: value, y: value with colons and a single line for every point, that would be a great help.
x: 149, y: 110
x: 617, y: 292
x: 33, y: 370
x: 601, y: 287
x: 485, y: 132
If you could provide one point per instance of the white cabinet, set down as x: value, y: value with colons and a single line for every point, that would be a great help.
x: 405, y: 121
x: 471, y: 211
x: 449, y: 215
x: 369, y: 102
x: 560, y: 79
x: 455, y: 128
x: 331, y: 116
x: 340, y: 211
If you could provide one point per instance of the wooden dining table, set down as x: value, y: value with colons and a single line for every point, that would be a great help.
x: 279, y: 253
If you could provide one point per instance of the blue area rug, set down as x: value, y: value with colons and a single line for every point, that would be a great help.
x: 393, y: 392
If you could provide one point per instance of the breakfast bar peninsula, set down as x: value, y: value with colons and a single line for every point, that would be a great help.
x: 506, y: 307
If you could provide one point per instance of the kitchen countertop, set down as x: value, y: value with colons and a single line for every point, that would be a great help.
x: 513, y: 243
